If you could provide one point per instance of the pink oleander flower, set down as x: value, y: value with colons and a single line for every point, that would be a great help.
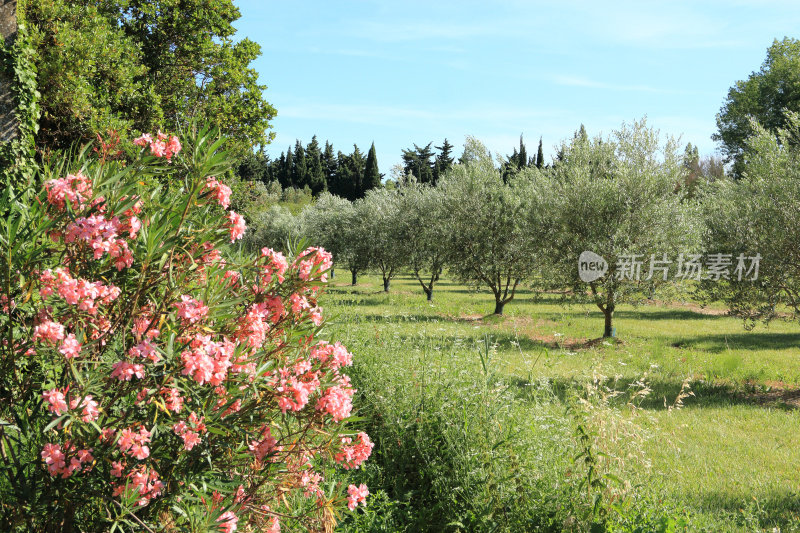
x: 334, y: 356
x: 145, y: 349
x: 88, y: 406
x: 352, y: 455
x: 172, y: 399
x: 316, y: 315
x: 337, y: 402
x: 117, y: 468
x: 299, y: 303
x: 277, y: 266
x: 49, y: 331
x: 190, y: 310
x: 134, y: 443
x: 252, y: 328
x: 265, y: 446
x: 75, y: 188
x: 143, y: 140
x: 356, y: 495
x: 190, y: 439
x: 57, y: 401
x: 236, y: 225
x: 70, y: 348
x: 219, y: 191
x: 229, y: 521
x: 125, y: 371
x: 54, y: 458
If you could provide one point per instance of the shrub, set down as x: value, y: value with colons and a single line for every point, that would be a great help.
x: 153, y: 376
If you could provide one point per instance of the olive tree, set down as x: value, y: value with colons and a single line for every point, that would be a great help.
x: 616, y: 198
x: 489, y: 241
x: 756, y: 220
x: 380, y: 210
x: 328, y: 222
x: 275, y: 228
x: 423, y: 233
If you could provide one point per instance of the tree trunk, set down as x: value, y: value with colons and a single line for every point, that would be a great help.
x: 609, y: 314
x: 429, y: 294
x: 386, y: 284
x: 355, y: 276
x: 333, y: 273
x: 498, y: 307
x: 8, y: 107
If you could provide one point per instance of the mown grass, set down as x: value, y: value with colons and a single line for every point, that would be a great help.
x: 727, y: 460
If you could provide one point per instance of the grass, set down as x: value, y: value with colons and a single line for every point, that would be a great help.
x: 728, y: 459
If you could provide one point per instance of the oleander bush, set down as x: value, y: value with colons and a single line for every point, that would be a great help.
x: 154, y: 376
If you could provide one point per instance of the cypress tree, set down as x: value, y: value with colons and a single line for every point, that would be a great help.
x: 316, y: 175
x: 300, y: 169
x: 329, y: 166
x: 522, y: 159
x: 286, y: 172
x: 372, y: 175
x: 540, y: 155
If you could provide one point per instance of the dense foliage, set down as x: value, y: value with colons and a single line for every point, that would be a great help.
x: 114, y: 65
x: 765, y: 96
x: 154, y: 376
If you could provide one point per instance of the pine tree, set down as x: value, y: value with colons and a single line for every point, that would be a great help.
x: 372, y: 175
x: 443, y: 161
x: 418, y: 162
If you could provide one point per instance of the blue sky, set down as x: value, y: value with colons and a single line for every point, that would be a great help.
x: 406, y: 72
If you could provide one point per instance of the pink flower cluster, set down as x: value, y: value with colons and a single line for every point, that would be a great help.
x: 144, y: 482
x: 265, y: 446
x: 162, y: 146
x: 125, y: 371
x: 252, y: 328
x: 219, y: 191
x: 229, y: 521
x: 56, y: 460
x: 352, y: 455
x: 191, y: 311
x: 89, y: 410
x: 75, y: 188
x: 236, y: 225
x: 334, y: 356
x: 49, y: 331
x: 172, y: 399
x: 190, y: 433
x: 134, y: 443
x: 337, y: 401
x: 145, y: 349
x: 276, y: 266
x: 80, y: 292
x: 316, y: 260
x: 101, y: 235
x: 356, y: 495
x: 57, y: 401
x: 207, y: 361
x: 295, y: 385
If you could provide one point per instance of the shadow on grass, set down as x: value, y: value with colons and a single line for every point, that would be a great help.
x: 748, y: 340
x: 665, y: 314
x: 773, y: 509
x: 664, y: 393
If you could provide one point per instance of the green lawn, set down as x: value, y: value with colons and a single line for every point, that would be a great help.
x: 729, y: 456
